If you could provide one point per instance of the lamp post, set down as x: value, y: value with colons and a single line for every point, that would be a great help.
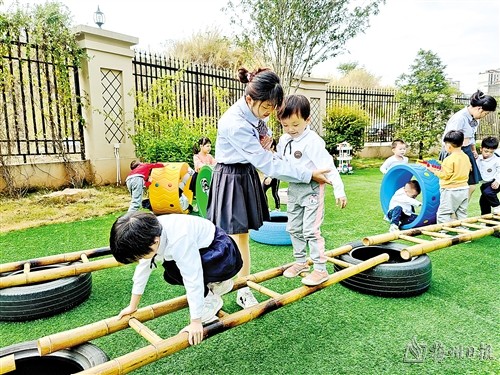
x: 99, y: 18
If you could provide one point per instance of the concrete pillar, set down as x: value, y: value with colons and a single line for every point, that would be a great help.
x: 107, y: 80
x: 315, y: 90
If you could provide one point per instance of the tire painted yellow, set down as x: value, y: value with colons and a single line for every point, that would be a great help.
x: 164, y: 188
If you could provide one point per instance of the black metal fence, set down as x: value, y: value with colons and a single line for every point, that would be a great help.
x: 36, y: 123
x: 195, y: 89
x: 381, y: 106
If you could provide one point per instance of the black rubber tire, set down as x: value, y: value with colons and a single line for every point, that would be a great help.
x: 395, y: 278
x: 29, y: 302
x: 273, y: 232
x: 62, y: 362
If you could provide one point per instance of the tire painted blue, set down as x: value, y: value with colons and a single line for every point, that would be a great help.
x: 397, y: 176
x: 273, y: 232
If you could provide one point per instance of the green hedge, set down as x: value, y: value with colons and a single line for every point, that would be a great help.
x: 344, y: 123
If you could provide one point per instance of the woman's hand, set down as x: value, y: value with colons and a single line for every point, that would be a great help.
x: 267, y: 180
x: 319, y: 175
x: 195, y: 331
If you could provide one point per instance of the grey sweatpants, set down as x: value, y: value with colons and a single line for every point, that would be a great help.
x: 452, y: 202
x: 135, y: 185
x: 306, y: 209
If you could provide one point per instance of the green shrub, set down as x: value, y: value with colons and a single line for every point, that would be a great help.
x: 344, y: 123
x: 161, y: 134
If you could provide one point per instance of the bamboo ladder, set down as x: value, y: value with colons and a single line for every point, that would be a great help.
x: 30, y: 276
x: 467, y: 230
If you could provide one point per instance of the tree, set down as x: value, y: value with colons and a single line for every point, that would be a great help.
x: 345, y: 68
x: 210, y: 47
x: 356, y: 77
x: 296, y: 35
x: 425, y: 102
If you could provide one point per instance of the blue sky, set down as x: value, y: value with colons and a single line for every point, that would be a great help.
x: 465, y: 34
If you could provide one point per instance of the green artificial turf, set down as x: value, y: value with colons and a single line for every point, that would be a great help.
x: 334, y: 331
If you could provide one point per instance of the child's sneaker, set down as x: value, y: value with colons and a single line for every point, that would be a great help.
x: 393, y: 228
x: 315, y: 278
x: 245, y: 298
x: 211, y: 305
x: 222, y: 287
x: 296, y: 269
x: 184, y: 202
x: 496, y: 210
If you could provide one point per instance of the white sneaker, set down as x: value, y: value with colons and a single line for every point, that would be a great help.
x: 245, y: 298
x: 184, y: 202
x: 222, y: 287
x: 496, y: 210
x: 393, y: 228
x: 211, y: 305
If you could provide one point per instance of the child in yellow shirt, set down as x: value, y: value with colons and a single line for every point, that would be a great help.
x: 453, y: 177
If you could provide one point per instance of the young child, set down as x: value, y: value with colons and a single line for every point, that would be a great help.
x: 399, y: 151
x: 201, y: 157
x: 402, y: 205
x: 136, y: 180
x: 300, y: 146
x: 236, y: 201
x: 489, y: 166
x: 453, y: 177
x: 273, y: 184
x: 194, y: 252
x: 201, y: 154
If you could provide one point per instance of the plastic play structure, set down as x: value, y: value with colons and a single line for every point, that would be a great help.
x: 397, y: 176
x: 344, y: 157
x: 165, y: 185
x: 412, y: 244
x: 202, y: 186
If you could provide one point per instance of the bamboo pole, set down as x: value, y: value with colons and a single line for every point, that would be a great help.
x: 339, y: 251
x: 7, y: 364
x: 456, y: 230
x: 412, y: 251
x: 338, y: 262
x: 144, y: 331
x: 435, y: 234
x: 262, y: 289
x: 492, y: 222
x: 53, y: 259
x: 391, y: 236
x: 141, y: 357
x: 412, y: 239
x: 79, y: 335
x: 57, y: 273
x: 52, y: 343
x: 471, y: 225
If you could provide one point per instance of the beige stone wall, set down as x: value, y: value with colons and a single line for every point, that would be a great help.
x: 315, y: 90
x: 107, y: 81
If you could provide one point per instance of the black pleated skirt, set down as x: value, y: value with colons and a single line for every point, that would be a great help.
x: 236, y: 201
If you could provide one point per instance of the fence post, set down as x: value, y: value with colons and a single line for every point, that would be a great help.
x: 315, y: 90
x: 107, y: 81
